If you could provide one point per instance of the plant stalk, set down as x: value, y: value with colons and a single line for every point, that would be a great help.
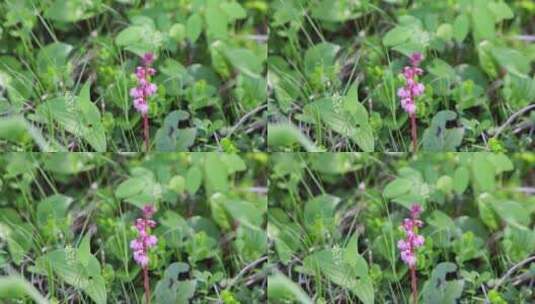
x: 146, y: 284
x: 414, y: 284
x: 146, y: 131
x: 414, y: 133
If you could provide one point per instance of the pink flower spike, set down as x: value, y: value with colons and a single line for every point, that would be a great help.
x: 136, y: 93
x: 148, y: 211
x: 150, y: 89
x: 412, y: 239
x: 140, y: 105
x: 416, y: 58
x: 402, y: 93
x: 416, y: 210
x: 151, y: 241
x: 136, y: 245
x: 147, y: 59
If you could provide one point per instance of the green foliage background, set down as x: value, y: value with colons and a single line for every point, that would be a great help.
x: 335, y: 68
x: 334, y: 218
x: 66, y: 68
x: 66, y: 221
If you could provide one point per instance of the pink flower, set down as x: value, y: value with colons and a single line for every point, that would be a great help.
x: 412, y: 88
x: 150, y: 89
x: 402, y: 93
x: 145, y: 88
x: 145, y: 240
x: 147, y: 59
x: 136, y: 245
x: 416, y: 210
x: 412, y: 239
x: 141, y: 106
x: 415, y: 59
x: 148, y: 211
x: 136, y: 93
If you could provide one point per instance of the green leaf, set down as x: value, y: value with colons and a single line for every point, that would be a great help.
x: 320, y: 55
x: 233, y: 10
x: 511, y: 60
x: 53, y: 56
x: 17, y: 129
x: 511, y: 212
x: 281, y: 288
x: 461, y: 26
x: 439, y: 290
x: 319, y: 214
x: 337, y: 11
x: 285, y: 135
x: 52, y: 208
x: 215, y: 174
x: 178, y: 32
x: 460, y: 179
x: 172, y: 290
x: 66, y: 265
x: 445, y: 31
x: 193, y: 179
x: 139, y: 189
x: 245, y: 61
x: 439, y: 138
x: 501, y: 11
x: 12, y: 287
x: 342, y: 122
x: 483, y: 172
x: 84, y: 251
x: 194, y: 27
x: 78, y: 116
x: 397, y: 187
x: 140, y: 39
x: 72, y: 10
x: 340, y: 272
x: 172, y: 138
x: 408, y: 37
x: 216, y: 21
x: 483, y: 22
x: 177, y: 184
x: 501, y: 162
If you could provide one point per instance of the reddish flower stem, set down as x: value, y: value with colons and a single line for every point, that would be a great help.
x: 414, y: 133
x: 146, y: 131
x: 414, y: 284
x: 146, y: 284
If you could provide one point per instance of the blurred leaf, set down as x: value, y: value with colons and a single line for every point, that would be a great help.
x: 12, y: 287
x: 461, y: 26
x: 320, y: 55
x: 342, y: 122
x: 52, y: 208
x: 193, y: 179
x: 78, y: 116
x: 440, y: 138
x: 194, y: 27
x: 215, y: 174
x: 281, y: 288
x: 72, y: 10
x: 287, y: 135
x: 461, y: 179
x: 172, y: 290
x: 439, y: 290
x: 16, y: 129
x: 483, y: 21
x: 319, y: 215
x: 483, y: 172
x: 172, y: 138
